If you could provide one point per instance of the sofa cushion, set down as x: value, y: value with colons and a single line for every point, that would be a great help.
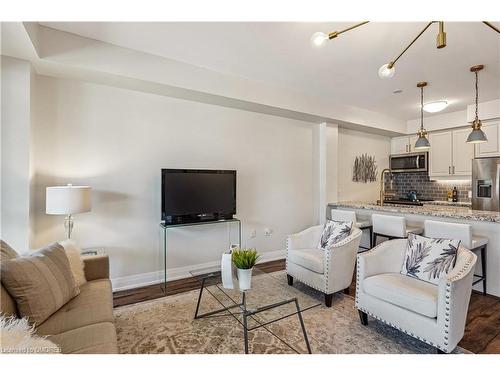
x: 7, y: 303
x: 94, y: 304
x: 97, y: 338
x: 40, y: 283
x: 312, y: 259
x: 406, y: 292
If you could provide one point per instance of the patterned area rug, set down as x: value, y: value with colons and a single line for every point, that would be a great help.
x: 166, y: 325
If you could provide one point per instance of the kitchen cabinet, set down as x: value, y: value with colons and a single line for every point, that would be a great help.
x: 492, y: 147
x: 463, y: 153
x: 440, y: 154
x: 450, y: 155
x: 403, y: 145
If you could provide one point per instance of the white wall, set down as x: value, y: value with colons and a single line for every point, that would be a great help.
x: 351, y: 144
x: 15, y: 150
x: 117, y: 141
x: 332, y: 163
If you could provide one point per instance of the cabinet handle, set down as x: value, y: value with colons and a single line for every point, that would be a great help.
x: 406, y: 148
x: 409, y: 148
x: 453, y: 169
x: 449, y: 169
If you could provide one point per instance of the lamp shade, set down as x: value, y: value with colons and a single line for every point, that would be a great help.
x: 67, y: 200
x: 477, y: 136
x: 422, y: 143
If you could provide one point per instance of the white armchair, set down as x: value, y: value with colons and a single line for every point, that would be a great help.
x: 431, y: 313
x: 328, y: 271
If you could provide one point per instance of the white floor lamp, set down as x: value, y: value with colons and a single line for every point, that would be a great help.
x: 67, y: 200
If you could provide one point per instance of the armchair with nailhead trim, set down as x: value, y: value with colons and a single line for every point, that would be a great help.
x: 328, y: 271
x: 435, y: 314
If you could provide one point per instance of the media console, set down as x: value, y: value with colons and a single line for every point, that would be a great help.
x: 166, y: 227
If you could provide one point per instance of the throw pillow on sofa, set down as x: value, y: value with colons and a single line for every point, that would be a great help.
x: 429, y: 259
x: 334, y: 232
x: 40, y: 283
x: 6, y: 252
x: 76, y: 264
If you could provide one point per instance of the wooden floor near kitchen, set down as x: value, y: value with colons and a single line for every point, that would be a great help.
x: 482, y: 330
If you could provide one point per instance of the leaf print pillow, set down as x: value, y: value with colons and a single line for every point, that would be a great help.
x: 334, y: 232
x: 429, y: 259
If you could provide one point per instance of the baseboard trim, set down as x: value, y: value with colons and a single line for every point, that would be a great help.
x: 156, y: 277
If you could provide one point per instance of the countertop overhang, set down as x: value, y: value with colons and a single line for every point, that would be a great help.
x: 428, y: 209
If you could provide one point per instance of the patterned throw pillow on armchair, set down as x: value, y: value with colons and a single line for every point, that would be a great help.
x: 429, y: 259
x: 334, y: 232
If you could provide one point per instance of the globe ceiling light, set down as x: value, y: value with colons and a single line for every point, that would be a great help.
x: 437, y: 106
x: 318, y: 39
x: 387, y: 71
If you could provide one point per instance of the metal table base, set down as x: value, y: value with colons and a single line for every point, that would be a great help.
x: 251, y: 314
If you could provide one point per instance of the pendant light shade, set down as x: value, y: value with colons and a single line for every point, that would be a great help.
x: 422, y: 143
x: 477, y: 135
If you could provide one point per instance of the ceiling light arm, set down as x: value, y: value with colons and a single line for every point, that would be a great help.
x: 492, y: 26
x: 335, y: 34
x: 391, y: 64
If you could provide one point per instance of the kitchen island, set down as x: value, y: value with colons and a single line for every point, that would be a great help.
x: 484, y: 224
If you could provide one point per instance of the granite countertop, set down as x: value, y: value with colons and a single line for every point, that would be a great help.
x: 447, y: 203
x: 428, y: 209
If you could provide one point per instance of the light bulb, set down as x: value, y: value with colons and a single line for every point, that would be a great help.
x: 385, y: 72
x: 318, y: 39
x: 437, y: 106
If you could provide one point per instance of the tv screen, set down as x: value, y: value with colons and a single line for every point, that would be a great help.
x: 193, y: 195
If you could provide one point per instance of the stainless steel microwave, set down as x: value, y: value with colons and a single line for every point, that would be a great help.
x: 414, y: 162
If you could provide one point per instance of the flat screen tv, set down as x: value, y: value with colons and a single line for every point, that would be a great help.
x: 191, y: 195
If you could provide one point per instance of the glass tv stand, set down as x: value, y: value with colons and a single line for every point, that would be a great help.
x: 166, y: 228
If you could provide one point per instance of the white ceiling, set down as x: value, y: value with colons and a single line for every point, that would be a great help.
x: 345, y: 69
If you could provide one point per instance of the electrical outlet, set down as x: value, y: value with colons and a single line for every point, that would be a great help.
x: 268, y: 231
x: 253, y: 233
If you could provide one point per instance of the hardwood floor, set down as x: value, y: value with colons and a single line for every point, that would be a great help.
x: 482, y: 329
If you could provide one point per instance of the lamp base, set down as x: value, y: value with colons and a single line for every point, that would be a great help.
x: 68, y: 225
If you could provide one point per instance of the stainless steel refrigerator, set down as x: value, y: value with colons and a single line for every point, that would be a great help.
x: 486, y: 184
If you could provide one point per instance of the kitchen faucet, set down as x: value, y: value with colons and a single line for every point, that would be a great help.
x: 382, y: 185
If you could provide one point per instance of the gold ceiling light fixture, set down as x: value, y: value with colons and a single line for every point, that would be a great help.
x: 318, y: 39
x: 477, y: 135
x: 422, y: 142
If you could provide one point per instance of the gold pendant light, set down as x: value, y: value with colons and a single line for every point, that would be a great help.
x: 477, y: 135
x: 422, y: 143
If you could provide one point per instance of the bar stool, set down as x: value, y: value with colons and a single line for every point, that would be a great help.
x: 462, y: 232
x: 392, y: 227
x: 344, y: 215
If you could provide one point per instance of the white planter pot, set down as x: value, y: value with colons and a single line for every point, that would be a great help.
x: 244, y: 278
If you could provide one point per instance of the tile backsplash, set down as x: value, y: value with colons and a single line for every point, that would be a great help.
x: 402, y: 183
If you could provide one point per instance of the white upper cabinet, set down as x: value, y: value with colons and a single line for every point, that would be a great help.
x: 492, y: 147
x: 440, y: 154
x: 450, y: 155
x: 463, y: 153
x: 403, y: 145
x: 399, y: 145
x: 413, y: 140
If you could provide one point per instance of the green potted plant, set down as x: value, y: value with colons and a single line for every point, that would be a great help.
x: 244, y: 260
